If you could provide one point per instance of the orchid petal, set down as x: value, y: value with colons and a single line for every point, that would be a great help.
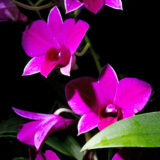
x: 84, y: 95
x: 74, y: 65
x: 39, y: 156
x: 47, y: 66
x: 28, y: 131
x: 55, y: 22
x: 38, y: 38
x: 50, y: 155
x: 51, y: 124
x: 105, y: 122
x: 117, y: 157
x: 127, y: 113
x: 70, y: 66
x: 33, y: 66
x: 116, y: 4
x: 31, y: 115
x: 87, y: 122
x: 71, y: 5
x: 108, y: 82
x: 66, y: 69
x: 93, y: 5
x: 132, y: 95
x: 73, y: 33
x: 43, y: 131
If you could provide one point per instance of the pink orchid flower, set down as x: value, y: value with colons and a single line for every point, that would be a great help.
x: 52, y: 44
x: 48, y: 155
x: 35, y: 132
x: 107, y: 100
x: 92, y: 5
x: 8, y: 10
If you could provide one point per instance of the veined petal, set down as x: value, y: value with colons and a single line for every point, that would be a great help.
x: 50, y: 125
x: 71, y: 5
x: 31, y: 115
x: 108, y: 82
x: 73, y: 33
x: 43, y: 131
x: 132, y: 95
x: 116, y: 4
x: 33, y: 66
x: 87, y: 122
x: 38, y: 38
x: 50, y: 155
x: 84, y: 95
x: 55, y: 23
x: 93, y: 5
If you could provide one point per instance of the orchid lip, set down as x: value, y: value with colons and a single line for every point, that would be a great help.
x: 110, y: 110
x: 52, y: 54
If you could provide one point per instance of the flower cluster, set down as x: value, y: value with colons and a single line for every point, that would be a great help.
x: 52, y: 45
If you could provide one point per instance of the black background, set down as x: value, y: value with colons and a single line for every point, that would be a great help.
x: 128, y: 40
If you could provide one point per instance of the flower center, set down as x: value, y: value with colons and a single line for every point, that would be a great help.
x: 53, y: 54
x: 111, y: 111
x: 60, y: 56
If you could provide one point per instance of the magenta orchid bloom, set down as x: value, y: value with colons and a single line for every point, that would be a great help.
x: 35, y: 132
x: 52, y: 44
x: 48, y: 155
x: 8, y: 10
x: 92, y: 5
x: 107, y: 100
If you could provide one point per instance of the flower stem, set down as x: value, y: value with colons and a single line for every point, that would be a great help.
x: 61, y: 110
x: 79, y: 54
x: 38, y: 12
x: 94, y: 55
x: 33, y: 8
x: 38, y: 2
x: 110, y: 153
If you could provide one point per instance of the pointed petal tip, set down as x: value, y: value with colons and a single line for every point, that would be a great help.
x: 116, y: 4
x: 37, y: 145
x: 54, y: 10
x: 25, y: 74
x: 13, y: 108
x: 16, y: 110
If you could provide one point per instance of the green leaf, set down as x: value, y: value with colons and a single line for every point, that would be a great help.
x: 68, y: 146
x: 139, y: 131
x: 20, y: 158
x: 10, y: 125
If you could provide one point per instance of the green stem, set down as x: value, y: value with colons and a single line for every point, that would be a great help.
x: 38, y: 12
x: 95, y: 57
x: 87, y: 136
x: 33, y: 8
x: 75, y: 13
x: 38, y: 2
x: 110, y: 153
x: 83, y: 51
